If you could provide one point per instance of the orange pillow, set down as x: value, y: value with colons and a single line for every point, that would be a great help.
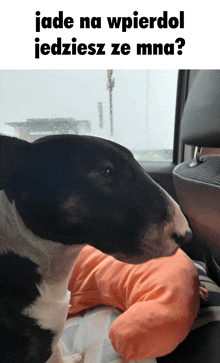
x: 160, y: 299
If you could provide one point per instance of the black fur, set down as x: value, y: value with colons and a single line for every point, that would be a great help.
x: 18, y: 280
x: 22, y: 339
x: 48, y: 178
x: 21, y: 336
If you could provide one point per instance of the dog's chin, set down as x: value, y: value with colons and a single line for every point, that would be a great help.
x: 147, y: 254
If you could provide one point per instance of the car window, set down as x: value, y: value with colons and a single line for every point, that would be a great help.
x: 135, y: 108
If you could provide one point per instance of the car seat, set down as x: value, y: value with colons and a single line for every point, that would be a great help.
x: 197, y: 182
x: 197, y: 185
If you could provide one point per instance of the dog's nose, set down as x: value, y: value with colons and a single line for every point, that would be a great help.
x: 182, y: 239
x: 188, y: 236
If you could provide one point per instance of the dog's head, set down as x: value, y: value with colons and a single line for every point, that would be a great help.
x: 86, y: 190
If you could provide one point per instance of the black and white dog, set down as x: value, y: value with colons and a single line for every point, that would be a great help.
x: 58, y: 194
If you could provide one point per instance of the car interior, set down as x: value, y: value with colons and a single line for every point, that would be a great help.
x: 192, y: 178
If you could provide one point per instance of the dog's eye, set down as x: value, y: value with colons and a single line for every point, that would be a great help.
x: 107, y: 172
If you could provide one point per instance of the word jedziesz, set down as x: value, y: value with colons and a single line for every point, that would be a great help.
x: 60, y: 48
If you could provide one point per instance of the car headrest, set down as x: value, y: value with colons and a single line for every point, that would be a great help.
x: 200, y: 124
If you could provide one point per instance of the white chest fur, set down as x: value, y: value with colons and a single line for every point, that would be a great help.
x: 49, y: 310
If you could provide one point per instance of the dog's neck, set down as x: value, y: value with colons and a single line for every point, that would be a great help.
x: 55, y: 261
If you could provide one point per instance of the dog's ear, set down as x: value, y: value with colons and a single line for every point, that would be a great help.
x: 13, y: 153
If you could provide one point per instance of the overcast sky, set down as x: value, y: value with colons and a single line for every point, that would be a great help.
x: 143, y: 102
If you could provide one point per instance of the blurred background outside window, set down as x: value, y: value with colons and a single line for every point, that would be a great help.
x: 135, y: 108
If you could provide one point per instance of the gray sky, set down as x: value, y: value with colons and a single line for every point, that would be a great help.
x: 143, y: 102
